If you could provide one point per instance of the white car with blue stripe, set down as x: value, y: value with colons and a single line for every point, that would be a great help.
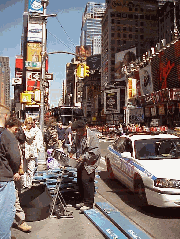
x: 149, y: 165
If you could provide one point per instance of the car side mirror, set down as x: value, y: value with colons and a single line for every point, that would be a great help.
x: 126, y: 154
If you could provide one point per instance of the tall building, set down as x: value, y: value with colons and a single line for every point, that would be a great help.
x: 125, y: 25
x: 91, y: 23
x: 4, y: 81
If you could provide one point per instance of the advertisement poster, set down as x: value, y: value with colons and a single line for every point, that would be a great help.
x: 33, y: 81
x: 34, y: 32
x: 123, y: 59
x: 131, y: 88
x: 34, y: 54
x: 146, y: 84
x: 35, y: 6
x: 82, y: 52
x: 112, y: 101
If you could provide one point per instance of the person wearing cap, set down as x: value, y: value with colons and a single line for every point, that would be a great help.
x: 86, y: 147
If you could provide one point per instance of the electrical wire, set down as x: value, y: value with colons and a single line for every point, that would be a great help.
x: 60, y: 41
x: 65, y: 32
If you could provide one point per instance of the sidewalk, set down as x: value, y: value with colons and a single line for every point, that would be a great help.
x: 78, y: 227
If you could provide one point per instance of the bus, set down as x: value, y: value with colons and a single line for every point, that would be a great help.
x: 65, y: 114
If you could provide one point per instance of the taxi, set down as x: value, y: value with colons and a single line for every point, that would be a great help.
x: 149, y: 165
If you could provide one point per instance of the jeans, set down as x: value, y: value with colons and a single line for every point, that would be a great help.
x: 86, y: 185
x: 7, y: 208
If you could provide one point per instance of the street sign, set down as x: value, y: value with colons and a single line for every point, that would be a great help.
x: 33, y: 64
x: 49, y: 76
x: 16, y: 81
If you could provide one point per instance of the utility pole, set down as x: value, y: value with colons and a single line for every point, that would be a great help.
x: 44, y: 17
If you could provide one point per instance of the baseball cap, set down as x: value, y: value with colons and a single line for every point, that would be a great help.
x: 78, y: 124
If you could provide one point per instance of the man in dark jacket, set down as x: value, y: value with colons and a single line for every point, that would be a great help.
x: 86, y: 147
x: 9, y: 166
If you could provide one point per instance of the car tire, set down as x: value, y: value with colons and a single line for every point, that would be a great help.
x: 140, y: 193
x: 109, y: 169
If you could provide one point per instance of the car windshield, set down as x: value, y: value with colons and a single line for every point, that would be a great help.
x: 157, y: 148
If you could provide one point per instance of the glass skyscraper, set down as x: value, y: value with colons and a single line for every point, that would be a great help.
x: 91, y: 23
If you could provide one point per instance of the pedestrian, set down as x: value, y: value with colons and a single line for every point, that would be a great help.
x: 51, y: 134
x: 9, y: 166
x: 31, y: 152
x: 86, y: 147
x: 68, y: 137
x: 61, y: 134
x: 13, y: 126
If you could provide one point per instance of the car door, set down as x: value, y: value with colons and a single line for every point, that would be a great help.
x: 126, y: 164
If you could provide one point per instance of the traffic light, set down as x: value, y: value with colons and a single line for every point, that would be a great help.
x: 80, y: 71
x: 86, y: 70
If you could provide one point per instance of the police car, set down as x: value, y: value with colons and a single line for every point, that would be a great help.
x: 149, y: 165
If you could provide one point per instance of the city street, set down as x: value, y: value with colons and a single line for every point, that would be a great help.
x: 155, y: 222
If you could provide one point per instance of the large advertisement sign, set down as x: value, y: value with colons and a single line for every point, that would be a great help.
x: 33, y: 81
x: 166, y: 68
x: 19, y: 64
x: 131, y: 88
x: 122, y: 59
x: 34, y: 56
x: 34, y: 32
x: 83, y: 52
x: 112, y: 101
x: 94, y: 62
x: 35, y: 6
x: 146, y: 83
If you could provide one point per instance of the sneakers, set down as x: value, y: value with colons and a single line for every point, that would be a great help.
x: 84, y: 208
x: 24, y: 227
x: 79, y: 205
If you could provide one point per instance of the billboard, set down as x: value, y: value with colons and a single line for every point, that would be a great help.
x: 34, y: 56
x: 83, y: 52
x: 32, y: 81
x: 123, y: 59
x: 94, y: 62
x: 19, y: 63
x: 112, y: 101
x: 166, y: 68
x: 146, y: 83
x: 34, y: 32
x: 131, y: 88
x: 35, y: 6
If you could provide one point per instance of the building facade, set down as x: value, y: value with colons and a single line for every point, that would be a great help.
x: 4, y: 81
x: 91, y: 23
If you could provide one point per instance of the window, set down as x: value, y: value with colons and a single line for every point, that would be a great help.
x: 118, y: 14
x: 112, y: 21
x: 112, y: 34
x: 119, y: 34
x: 124, y: 42
x: 119, y: 28
x: 135, y: 16
x: 141, y: 23
x: 118, y: 42
x: 141, y: 37
x: 130, y: 29
x: 136, y: 29
x: 124, y: 29
x: 118, y: 21
x: 112, y: 14
x: 130, y: 16
x: 130, y: 36
x: 124, y: 15
x: 113, y: 28
x: 136, y: 36
x: 124, y: 35
x: 141, y: 16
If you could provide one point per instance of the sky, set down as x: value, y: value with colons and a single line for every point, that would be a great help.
x: 63, y: 35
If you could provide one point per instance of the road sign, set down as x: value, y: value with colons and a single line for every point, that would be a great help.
x: 49, y: 76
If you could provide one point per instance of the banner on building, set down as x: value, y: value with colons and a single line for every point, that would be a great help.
x: 32, y: 81
x: 94, y: 62
x: 34, y: 56
x: 34, y: 32
x: 123, y: 59
x: 112, y: 101
x: 83, y: 52
x: 131, y: 88
x: 19, y: 63
x: 35, y: 6
x: 146, y: 84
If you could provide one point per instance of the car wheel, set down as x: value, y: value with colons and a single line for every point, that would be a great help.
x: 140, y: 193
x: 109, y: 169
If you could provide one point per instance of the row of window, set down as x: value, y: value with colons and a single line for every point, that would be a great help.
x: 134, y: 16
x: 130, y: 36
x: 124, y: 29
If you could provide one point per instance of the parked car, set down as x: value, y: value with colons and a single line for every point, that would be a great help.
x: 149, y: 165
